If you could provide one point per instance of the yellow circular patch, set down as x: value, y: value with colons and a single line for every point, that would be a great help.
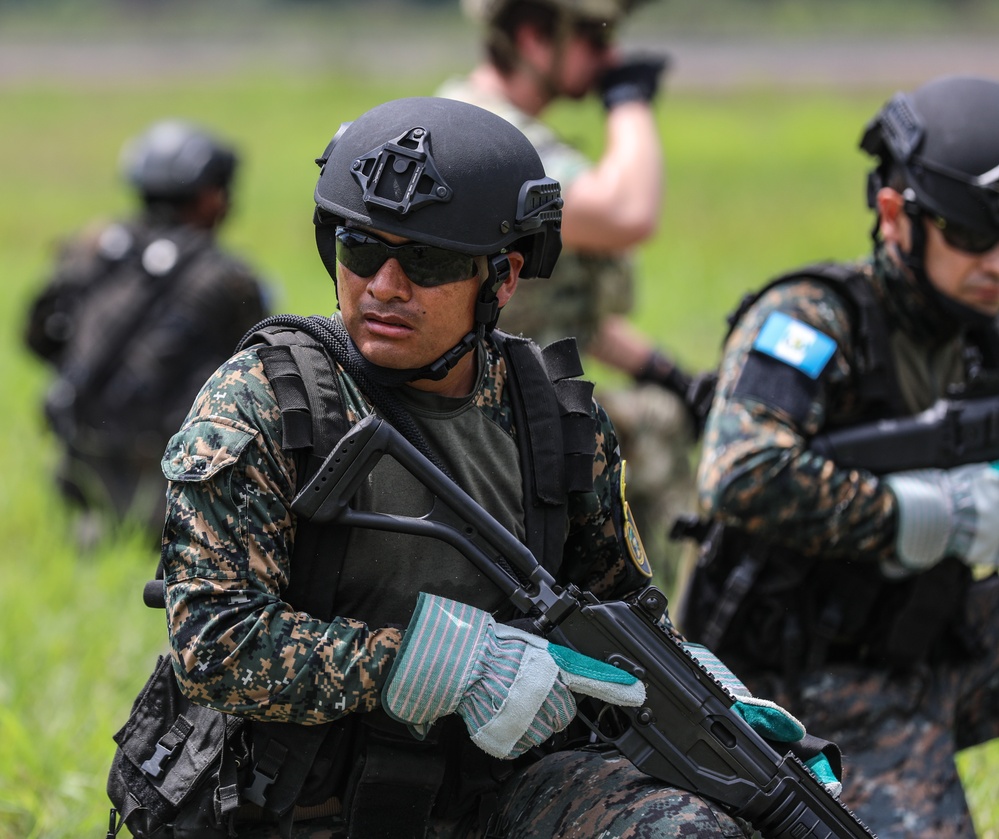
x: 636, y: 550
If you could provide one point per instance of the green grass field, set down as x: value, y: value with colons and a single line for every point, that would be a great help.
x: 759, y: 181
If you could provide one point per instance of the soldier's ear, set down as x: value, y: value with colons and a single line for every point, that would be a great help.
x: 509, y: 285
x: 893, y: 222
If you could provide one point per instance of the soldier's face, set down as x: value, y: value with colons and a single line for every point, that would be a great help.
x: 572, y: 61
x: 399, y: 324
x: 583, y: 60
x: 969, y: 278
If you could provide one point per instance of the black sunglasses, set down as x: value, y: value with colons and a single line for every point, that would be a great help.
x: 425, y: 265
x: 966, y: 239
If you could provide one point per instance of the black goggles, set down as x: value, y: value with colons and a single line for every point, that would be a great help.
x: 964, y: 238
x: 425, y: 265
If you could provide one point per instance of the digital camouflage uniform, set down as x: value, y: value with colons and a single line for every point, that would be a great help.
x: 899, y: 729
x: 227, y: 552
x: 653, y: 424
x: 134, y: 318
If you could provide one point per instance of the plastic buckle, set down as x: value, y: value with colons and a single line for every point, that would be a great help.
x: 153, y: 766
x: 256, y: 793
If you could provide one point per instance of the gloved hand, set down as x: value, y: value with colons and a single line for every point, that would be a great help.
x: 766, y: 718
x: 663, y: 371
x: 635, y: 79
x: 947, y: 512
x: 512, y: 689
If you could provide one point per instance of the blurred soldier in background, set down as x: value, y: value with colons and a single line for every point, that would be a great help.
x: 134, y: 318
x: 866, y: 599
x: 538, y: 51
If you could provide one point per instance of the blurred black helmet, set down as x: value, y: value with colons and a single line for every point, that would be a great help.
x: 943, y: 140
x: 173, y: 160
x: 442, y: 172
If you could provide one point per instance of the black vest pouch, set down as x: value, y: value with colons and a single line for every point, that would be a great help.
x: 394, y: 786
x: 174, y: 772
x: 931, y: 623
x: 284, y: 770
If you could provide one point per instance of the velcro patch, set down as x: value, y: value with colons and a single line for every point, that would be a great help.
x: 795, y: 343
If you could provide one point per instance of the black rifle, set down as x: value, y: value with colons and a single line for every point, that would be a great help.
x: 954, y: 431
x: 686, y: 734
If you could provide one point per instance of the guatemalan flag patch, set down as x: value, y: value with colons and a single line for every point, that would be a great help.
x: 795, y: 343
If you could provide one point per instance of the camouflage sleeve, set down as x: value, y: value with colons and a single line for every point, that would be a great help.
x: 756, y: 471
x: 229, y: 533
x: 597, y: 556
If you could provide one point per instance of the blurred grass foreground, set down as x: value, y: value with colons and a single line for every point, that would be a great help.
x: 760, y: 119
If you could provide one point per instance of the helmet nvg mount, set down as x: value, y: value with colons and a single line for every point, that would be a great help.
x: 444, y: 173
x: 174, y: 160
x: 943, y: 139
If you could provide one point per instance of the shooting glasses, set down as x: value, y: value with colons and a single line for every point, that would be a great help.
x: 426, y: 265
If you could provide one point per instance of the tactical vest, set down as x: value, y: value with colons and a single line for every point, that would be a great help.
x: 390, y: 784
x: 101, y: 373
x: 763, y: 606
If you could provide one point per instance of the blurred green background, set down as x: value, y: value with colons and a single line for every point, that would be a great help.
x: 760, y: 120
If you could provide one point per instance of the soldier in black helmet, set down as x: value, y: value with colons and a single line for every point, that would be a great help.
x: 869, y: 602
x: 386, y: 659
x: 135, y: 316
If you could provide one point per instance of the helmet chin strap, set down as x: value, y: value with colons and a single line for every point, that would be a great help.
x: 915, y: 261
x: 486, y: 315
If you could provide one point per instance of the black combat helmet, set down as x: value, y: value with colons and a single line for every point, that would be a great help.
x: 173, y: 160
x: 943, y: 140
x: 444, y: 173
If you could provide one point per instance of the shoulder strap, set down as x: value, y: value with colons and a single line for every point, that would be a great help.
x: 313, y: 420
x: 556, y: 435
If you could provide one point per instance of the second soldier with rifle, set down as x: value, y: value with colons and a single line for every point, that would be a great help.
x: 864, y: 596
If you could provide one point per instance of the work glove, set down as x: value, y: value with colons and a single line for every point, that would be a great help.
x: 768, y: 719
x: 947, y: 512
x: 635, y: 79
x: 512, y: 689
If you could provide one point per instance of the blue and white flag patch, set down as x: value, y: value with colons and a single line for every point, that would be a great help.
x: 795, y: 343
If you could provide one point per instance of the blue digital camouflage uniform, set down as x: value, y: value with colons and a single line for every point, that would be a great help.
x: 239, y: 648
x: 652, y: 423
x: 899, y: 730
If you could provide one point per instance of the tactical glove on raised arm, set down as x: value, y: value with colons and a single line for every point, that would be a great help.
x: 512, y: 689
x: 636, y: 79
x: 947, y: 512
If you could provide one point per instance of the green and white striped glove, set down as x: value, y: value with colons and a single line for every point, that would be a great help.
x: 946, y: 512
x: 512, y: 689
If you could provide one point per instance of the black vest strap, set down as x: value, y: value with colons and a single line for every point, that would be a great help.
x: 313, y: 421
x: 553, y: 412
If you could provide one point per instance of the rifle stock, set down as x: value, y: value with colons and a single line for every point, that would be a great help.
x: 685, y: 734
x: 952, y: 432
